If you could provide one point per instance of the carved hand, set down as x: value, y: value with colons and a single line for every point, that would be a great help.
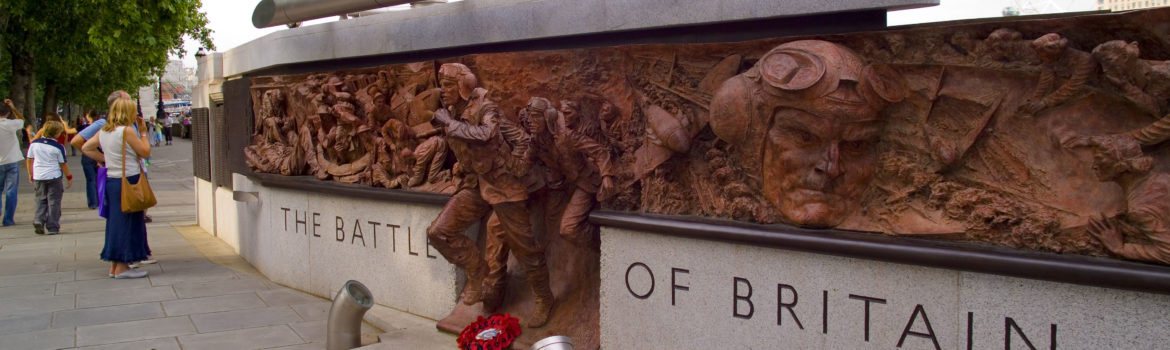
x: 442, y: 117
x: 608, y: 189
x: 1032, y: 107
x: 1106, y: 232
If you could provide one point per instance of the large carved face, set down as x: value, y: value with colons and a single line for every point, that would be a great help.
x: 449, y: 91
x: 804, y: 121
x: 817, y: 162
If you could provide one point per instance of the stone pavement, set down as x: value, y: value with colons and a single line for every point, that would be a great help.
x: 54, y: 291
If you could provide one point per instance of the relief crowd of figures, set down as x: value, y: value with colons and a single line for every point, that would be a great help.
x: 1027, y: 137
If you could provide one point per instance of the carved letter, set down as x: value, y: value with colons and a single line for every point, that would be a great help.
x: 918, y: 310
x: 674, y: 285
x: 357, y: 233
x: 393, y: 237
x: 867, y: 300
x: 375, y: 224
x: 301, y: 222
x: 1009, y: 324
x: 285, y: 210
x: 746, y: 298
x: 315, y: 224
x: 409, y: 248
x: 339, y: 224
x: 781, y: 305
x: 651, y: 273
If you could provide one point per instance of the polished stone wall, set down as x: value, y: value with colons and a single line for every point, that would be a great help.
x: 717, y: 295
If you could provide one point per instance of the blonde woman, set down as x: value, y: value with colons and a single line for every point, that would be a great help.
x: 125, y: 232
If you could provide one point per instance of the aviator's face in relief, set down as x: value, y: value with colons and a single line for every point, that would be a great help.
x: 818, y: 161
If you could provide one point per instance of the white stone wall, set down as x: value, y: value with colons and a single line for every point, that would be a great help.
x: 308, y: 241
x: 205, y: 202
x: 699, y: 308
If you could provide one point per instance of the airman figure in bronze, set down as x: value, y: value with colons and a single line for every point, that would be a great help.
x: 492, y: 154
x: 1146, y: 219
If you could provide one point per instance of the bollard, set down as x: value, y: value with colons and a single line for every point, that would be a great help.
x: 556, y: 342
x: 345, y: 316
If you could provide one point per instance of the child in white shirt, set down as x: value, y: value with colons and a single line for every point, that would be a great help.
x: 46, y: 164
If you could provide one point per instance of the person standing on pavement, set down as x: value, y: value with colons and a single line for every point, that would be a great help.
x: 88, y: 165
x: 11, y: 123
x: 46, y: 165
x: 125, y: 232
x: 167, y: 123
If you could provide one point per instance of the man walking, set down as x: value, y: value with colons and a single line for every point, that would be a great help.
x: 11, y: 123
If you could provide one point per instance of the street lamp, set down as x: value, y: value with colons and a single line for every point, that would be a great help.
x: 160, y: 113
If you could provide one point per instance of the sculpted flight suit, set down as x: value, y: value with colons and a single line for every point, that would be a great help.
x: 492, y: 153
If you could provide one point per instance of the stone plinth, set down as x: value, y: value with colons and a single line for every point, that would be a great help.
x: 315, y: 242
x: 660, y: 291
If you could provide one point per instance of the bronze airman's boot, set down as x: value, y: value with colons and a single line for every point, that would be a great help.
x: 473, y: 290
x: 541, y: 311
x: 493, y: 293
x: 544, y: 300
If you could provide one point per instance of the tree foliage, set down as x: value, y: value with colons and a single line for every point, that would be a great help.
x: 88, y: 48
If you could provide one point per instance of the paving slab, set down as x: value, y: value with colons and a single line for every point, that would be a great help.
x: 36, y: 304
x: 108, y: 314
x: 27, y: 291
x: 122, y: 332
x: 312, y: 331
x: 25, y: 323
x: 313, y: 311
x: 28, y: 268
x: 252, y: 338
x: 75, y: 287
x: 240, y: 319
x: 213, y: 304
x: 285, y: 296
x: 46, y: 339
x: 210, y: 273
x: 124, y: 296
x: 222, y: 287
x: 170, y: 343
x: 35, y: 278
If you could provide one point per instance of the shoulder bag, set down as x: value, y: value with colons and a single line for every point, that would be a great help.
x: 135, y: 197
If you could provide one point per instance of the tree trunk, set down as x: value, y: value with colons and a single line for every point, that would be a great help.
x: 21, y: 79
x: 30, y: 108
x: 50, y: 99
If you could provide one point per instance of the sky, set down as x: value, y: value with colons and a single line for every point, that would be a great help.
x: 231, y: 20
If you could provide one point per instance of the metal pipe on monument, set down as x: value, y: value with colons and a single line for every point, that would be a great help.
x: 270, y: 13
x: 345, y: 316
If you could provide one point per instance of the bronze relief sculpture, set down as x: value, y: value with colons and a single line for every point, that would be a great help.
x: 1039, y: 135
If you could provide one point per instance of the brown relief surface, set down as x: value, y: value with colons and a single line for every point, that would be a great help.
x: 1036, y: 134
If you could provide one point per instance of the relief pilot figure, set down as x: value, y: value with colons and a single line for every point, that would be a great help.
x: 1146, y: 219
x: 803, y: 122
x: 492, y: 154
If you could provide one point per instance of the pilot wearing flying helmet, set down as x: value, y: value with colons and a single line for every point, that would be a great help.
x: 804, y: 122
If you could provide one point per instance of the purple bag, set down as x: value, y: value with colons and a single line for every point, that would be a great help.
x: 103, y: 209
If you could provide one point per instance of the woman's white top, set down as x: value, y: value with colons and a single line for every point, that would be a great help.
x: 111, y: 142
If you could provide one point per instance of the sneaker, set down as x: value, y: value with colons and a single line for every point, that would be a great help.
x: 148, y: 262
x: 54, y: 232
x: 38, y: 228
x: 148, y: 219
x: 131, y: 273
